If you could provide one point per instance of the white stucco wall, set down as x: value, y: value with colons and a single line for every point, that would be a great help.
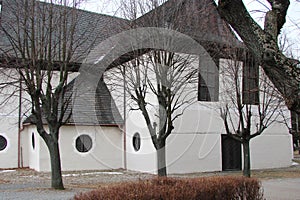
x: 188, y: 153
x: 106, y: 151
x: 9, y: 130
x: 143, y: 160
x: 9, y: 118
x: 271, y: 151
x: 185, y: 153
x: 32, y: 154
x: 195, y: 144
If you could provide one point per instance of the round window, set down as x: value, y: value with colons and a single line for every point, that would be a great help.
x: 32, y: 140
x: 136, y: 141
x: 3, y: 143
x: 84, y: 143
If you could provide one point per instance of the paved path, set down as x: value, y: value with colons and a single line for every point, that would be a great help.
x: 37, y: 195
x: 282, y: 189
x: 33, y: 191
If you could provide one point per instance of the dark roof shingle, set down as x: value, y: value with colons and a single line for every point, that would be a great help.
x: 198, y: 19
x: 91, y: 107
x: 90, y: 30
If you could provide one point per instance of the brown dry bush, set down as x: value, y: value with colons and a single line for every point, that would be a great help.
x: 227, y: 188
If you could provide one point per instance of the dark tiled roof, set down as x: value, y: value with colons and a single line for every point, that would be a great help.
x: 197, y: 18
x: 104, y: 109
x: 92, y: 107
x: 91, y: 28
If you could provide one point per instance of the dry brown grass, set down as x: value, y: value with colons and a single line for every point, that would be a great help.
x: 289, y: 172
x: 3, y: 181
x: 279, y: 173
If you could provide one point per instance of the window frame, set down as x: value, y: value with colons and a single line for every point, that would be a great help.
x: 136, y: 141
x: 4, y: 142
x: 33, y: 140
x: 208, y: 79
x: 250, y: 84
x: 80, y: 144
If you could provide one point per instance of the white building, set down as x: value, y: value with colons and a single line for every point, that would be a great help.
x: 88, y: 144
x: 197, y: 143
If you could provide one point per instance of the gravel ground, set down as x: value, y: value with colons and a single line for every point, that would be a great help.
x: 27, y: 184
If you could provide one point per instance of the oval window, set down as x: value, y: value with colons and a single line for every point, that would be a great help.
x: 84, y: 143
x: 32, y: 140
x: 136, y: 141
x: 3, y: 143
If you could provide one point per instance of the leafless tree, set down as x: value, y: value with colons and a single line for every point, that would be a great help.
x: 287, y: 46
x: 164, y: 82
x: 42, y: 43
x: 159, y: 79
x: 133, y: 9
x: 246, y: 113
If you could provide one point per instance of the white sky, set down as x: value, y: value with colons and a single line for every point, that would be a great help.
x: 257, y: 9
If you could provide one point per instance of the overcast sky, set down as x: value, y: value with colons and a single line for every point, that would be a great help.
x: 256, y: 8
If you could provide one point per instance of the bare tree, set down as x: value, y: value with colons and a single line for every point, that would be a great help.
x: 160, y: 79
x: 263, y: 43
x: 133, y: 9
x: 287, y: 46
x: 247, y: 112
x: 42, y: 43
x: 160, y: 85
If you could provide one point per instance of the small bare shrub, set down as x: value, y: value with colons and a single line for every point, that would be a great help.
x: 227, y: 188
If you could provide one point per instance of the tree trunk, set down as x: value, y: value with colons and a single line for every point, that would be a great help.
x: 246, y: 153
x: 263, y: 43
x: 56, y: 176
x: 161, y: 159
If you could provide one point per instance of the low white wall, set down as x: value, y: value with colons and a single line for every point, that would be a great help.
x: 271, y: 151
x: 143, y: 160
x: 185, y: 153
x: 188, y: 153
x: 195, y: 144
x: 106, y: 151
x: 30, y: 154
x: 9, y: 130
x: 25, y: 148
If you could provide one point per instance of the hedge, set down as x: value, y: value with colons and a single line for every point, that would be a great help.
x: 209, y: 188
